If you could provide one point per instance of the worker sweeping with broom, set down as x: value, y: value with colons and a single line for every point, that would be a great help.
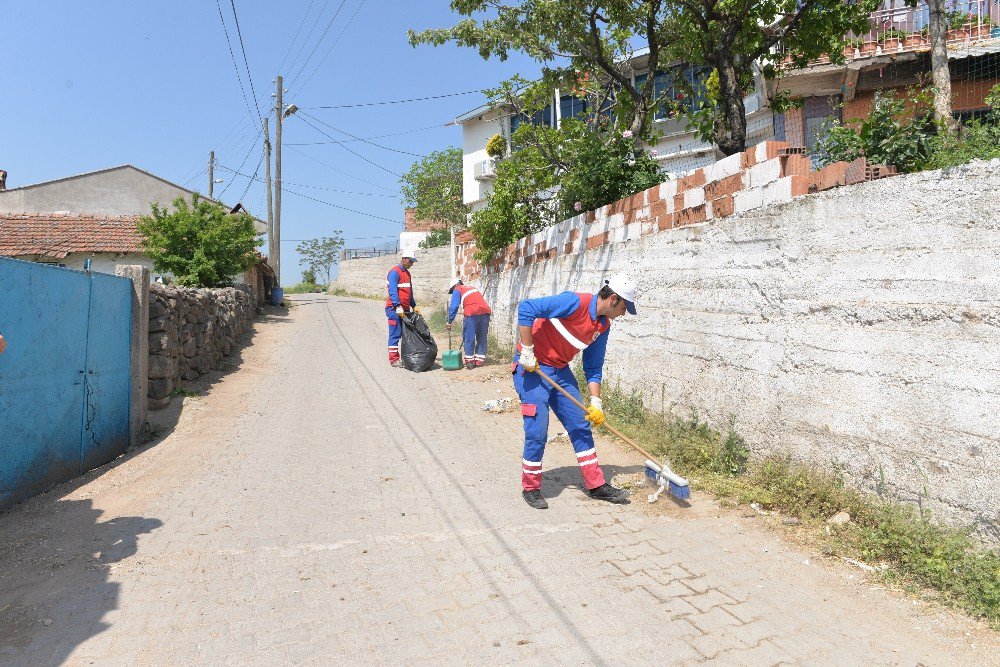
x: 552, y: 331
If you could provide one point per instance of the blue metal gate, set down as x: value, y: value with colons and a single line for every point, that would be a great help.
x: 65, y: 379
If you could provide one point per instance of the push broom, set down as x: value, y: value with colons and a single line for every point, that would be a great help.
x: 658, y: 473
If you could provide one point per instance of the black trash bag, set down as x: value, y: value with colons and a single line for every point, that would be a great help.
x: 416, y: 346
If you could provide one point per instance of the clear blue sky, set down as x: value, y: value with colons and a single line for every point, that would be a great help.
x: 93, y: 85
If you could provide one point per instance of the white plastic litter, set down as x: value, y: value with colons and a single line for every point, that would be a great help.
x: 498, y: 405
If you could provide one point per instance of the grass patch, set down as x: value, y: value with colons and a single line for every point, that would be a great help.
x: 339, y: 291
x: 181, y: 391
x: 150, y: 432
x: 914, y: 549
x: 305, y: 288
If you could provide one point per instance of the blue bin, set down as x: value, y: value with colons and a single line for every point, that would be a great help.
x: 277, y: 294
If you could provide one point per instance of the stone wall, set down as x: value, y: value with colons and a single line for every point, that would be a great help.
x: 190, y: 330
x: 430, y: 276
x: 857, y: 327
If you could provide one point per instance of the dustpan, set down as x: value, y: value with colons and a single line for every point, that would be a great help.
x: 451, y: 360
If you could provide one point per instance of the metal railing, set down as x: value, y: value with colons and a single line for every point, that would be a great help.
x: 374, y: 251
x: 897, y: 28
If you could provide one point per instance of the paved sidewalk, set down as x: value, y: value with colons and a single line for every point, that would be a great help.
x: 318, y: 507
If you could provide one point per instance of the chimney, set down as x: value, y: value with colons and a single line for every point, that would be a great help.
x: 3, y: 180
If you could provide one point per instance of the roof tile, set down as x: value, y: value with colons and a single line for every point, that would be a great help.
x: 57, y: 235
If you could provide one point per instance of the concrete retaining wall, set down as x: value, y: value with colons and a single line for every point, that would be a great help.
x: 858, y: 326
x: 430, y: 276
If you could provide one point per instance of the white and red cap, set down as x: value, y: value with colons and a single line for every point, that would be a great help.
x: 623, y: 286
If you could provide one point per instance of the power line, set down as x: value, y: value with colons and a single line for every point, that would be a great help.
x: 339, y: 171
x: 379, y: 103
x: 357, y: 138
x: 344, y: 208
x: 305, y: 41
x: 318, y: 42
x: 374, y: 164
x: 304, y: 185
x: 245, y: 62
x: 378, y: 136
x: 335, y: 42
x: 232, y: 56
x: 251, y: 179
x: 345, y: 238
x: 249, y: 152
x: 297, y: 32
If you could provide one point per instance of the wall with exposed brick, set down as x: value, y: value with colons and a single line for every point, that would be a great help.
x: 858, y: 326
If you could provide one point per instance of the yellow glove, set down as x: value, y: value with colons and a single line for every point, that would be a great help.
x: 595, y: 413
x: 416, y: 310
x: 400, y: 311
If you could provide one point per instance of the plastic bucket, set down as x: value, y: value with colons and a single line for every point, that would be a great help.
x: 277, y: 294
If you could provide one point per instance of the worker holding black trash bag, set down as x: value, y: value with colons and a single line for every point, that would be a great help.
x: 411, y: 345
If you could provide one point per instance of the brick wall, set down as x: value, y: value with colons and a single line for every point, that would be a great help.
x: 411, y: 224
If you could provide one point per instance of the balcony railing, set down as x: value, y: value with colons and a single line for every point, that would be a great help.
x: 897, y: 28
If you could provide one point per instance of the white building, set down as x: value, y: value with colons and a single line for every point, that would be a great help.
x: 678, y: 149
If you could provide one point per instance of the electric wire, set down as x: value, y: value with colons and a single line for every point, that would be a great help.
x: 384, y: 102
x: 232, y: 56
x: 304, y: 185
x: 318, y: 42
x: 343, y: 208
x: 251, y: 179
x: 246, y: 63
x: 355, y: 153
x: 250, y: 152
x: 339, y: 171
x: 305, y: 41
x: 378, y: 136
x: 297, y: 33
x: 335, y: 42
x: 357, y: 138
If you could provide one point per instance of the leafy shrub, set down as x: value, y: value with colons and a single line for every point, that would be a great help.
x: 436, y: 238
x: 978, y: 140
x: 201, y: 244
x: 496, y: 147
x: 899, y: 131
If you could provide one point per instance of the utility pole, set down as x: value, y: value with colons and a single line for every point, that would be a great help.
x: 211, y: 173
x: 276, y: 260
x: 267, y: 179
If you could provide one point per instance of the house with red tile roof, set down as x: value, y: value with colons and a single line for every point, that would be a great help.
x: 89, y: 216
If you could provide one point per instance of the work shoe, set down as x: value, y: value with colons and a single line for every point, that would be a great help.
x: 611, y: 494
x: 535, y: 499
x: 479, y: 364
x: 469, y: 365
x: 396, y: 364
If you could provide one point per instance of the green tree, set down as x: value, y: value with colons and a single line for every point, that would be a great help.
x: 309, y: 276
x: 436, y: 238
x: 587, y: 45
x: 593, y: 167
x: 321, y: 254
x: 433, y: 188
x: 201, y: 244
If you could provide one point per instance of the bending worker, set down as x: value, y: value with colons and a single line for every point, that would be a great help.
x: 399, y: 301
x: 475, y: 320
x: 552, y: 331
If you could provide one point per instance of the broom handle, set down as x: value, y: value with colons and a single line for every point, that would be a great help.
x: 606, y: 424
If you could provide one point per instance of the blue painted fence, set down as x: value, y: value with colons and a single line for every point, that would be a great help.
x: 65, y: 379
